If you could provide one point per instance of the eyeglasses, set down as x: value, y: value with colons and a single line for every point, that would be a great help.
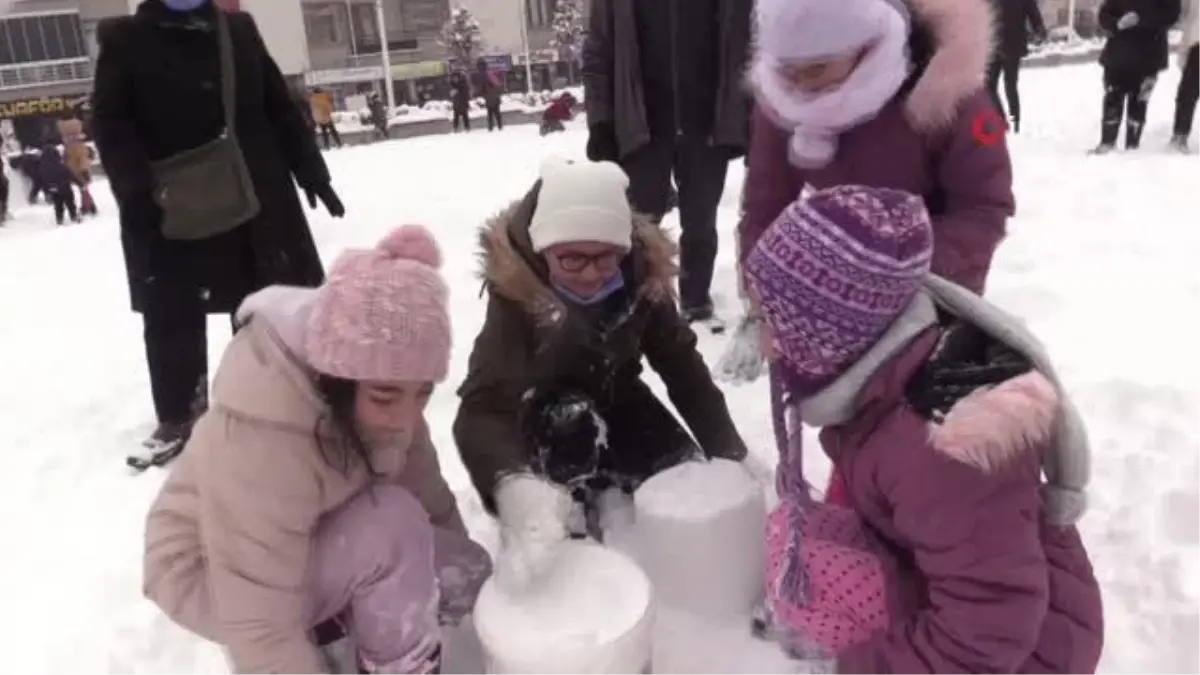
x: 577, y: 262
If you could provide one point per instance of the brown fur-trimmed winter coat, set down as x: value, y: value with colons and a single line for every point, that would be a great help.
x: 526, y: 342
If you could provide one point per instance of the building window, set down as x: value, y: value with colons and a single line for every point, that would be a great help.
x: 49, y: 37
x: 539, y: 13
x: 321, y: 26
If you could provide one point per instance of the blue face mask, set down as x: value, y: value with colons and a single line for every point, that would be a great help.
x: 615, y: 283
x: 184, y: 5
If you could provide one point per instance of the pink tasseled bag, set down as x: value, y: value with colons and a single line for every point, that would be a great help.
x: 825, y: 569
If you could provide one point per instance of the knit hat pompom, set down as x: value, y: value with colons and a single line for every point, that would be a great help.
x: 833, y: 272
x: 382, y: 315
x: 411, y: 242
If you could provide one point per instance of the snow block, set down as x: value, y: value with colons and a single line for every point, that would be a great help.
x: 700, y: 537
x: 592, y: 613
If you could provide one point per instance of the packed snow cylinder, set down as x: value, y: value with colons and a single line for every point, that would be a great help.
x: 591, y: 613
x: 700, y: 537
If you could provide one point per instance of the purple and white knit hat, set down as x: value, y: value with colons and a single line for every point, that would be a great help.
x: 833, y: 272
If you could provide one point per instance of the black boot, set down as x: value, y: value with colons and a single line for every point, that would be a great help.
x: 1133, y: 134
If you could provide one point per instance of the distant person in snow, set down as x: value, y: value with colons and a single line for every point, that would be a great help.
x: 490, y: 88
x: 554, y: 411
x: 1189, y: 81
x: 1135, y: 52
x: 321, y: 107
x: 1016, y: 22
x: 59, y: 183
x: 943, y: 413
x: 560, y: 111
x: 460, y: 101
x: 158, y: 98
x: 79, y: 159
x: 310, y: 501
x: 379, y: 116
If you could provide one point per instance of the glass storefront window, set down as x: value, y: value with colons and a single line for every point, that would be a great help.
x: 48, y: 37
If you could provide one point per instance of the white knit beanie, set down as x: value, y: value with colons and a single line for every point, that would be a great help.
x: 581, y: 201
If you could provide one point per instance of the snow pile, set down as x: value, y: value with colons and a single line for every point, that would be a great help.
x: 700, y: 537
x: 592, y: 613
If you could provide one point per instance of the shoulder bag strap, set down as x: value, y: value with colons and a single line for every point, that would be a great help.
x: 228, y: 71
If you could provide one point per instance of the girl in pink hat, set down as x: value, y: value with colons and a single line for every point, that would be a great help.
x: 310, y: 502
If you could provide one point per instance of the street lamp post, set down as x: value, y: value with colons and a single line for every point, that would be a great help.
x: 525, y: 45
x: 385, y: 57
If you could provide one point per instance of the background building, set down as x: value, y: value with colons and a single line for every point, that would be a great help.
x: 344, y: 48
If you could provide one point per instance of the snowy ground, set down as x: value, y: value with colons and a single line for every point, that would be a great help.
x: 1101, y: 261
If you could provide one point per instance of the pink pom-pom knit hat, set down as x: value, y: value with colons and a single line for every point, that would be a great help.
x: 382, y: 314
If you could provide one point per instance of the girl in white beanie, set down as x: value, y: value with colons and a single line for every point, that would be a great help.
x: 554, y: 410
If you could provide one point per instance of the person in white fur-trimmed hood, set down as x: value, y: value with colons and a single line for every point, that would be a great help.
x: 1189, y: 81
x: 554, y: 409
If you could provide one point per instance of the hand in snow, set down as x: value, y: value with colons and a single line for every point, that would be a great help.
x: 743, y: 360
x: 328, y: 197
x: 1128, y: 20
x: 533, y: 522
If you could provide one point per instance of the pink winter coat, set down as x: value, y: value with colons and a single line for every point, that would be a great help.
x: 228, y: 538
x: 927, y: 141
x: 984, y: 579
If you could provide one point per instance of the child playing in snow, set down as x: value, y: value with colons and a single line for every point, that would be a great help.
x: 1134, y: 53
x: 310, y: 496
x: 554, y: 409
x: 560, y: 111
x: 941, y: 412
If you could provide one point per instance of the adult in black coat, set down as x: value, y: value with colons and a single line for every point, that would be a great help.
x: 1016, y: 22
x: 157, y: 92
x: 1133, y: 56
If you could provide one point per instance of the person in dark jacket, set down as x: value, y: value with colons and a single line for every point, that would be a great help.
x: 490, y: 89
x: 379, y: 116
x: 1015, y: 21
x: 157, y: 93
x: 554, y: 411
x: 663, y: 88
x: 59, y: 183
x: 1133, y: 56
x: 460, y: 101
x: 1189, y: 81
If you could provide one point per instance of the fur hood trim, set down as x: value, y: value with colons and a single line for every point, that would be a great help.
x: 963, y: 41
x: 511, y: 268
x: 989, y: 427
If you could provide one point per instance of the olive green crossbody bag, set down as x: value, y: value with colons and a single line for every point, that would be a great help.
x: 207, y: 191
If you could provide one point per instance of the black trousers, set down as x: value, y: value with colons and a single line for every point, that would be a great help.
x: 494, y: 118
x: 328, y: 130
x: 3, y: 196
x: 176, y: 340
x: 461, y: 117
x: 1008, y: 68
x: 1126, y: 97
x: 699, y: 170
x: 64, y: 204
x: 1187, y: 94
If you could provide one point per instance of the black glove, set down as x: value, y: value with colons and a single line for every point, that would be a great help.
x: 564, y: 428
x: 602, y: 143
x: 328, y: 197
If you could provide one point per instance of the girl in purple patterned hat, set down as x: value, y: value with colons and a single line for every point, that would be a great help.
x: 965, y: 462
